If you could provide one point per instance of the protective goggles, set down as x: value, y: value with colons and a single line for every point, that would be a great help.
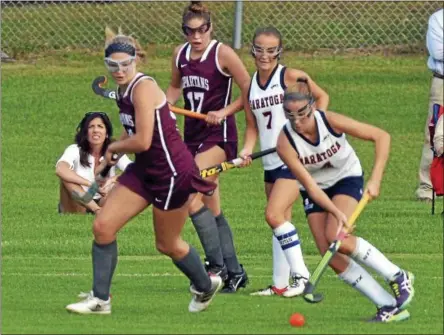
x: 273, y: 52
x: 123, y: 65
x: 202, y: 29
x: 299, y: 114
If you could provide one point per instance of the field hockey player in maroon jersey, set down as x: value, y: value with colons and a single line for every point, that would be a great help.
x: 163, y: 174
x: 203, y: 70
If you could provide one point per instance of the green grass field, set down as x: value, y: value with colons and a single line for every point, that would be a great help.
x: 46, y: 257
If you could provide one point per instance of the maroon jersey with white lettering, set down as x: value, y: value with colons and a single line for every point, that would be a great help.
x: 206, y: 88
x: 168, y: 154
x: 165, y: 174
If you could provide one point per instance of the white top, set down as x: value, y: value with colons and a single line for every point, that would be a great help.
x: 72, y: 157
x: 438, y: 138
x: 266, y: 103
x: 330, y: 159
x: 435, y: 41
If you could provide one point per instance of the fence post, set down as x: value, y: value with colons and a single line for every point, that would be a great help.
x: 237, y: 31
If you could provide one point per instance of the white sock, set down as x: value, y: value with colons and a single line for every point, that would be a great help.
x: 281, y: 269
x: 368, y: 255
x: 288, y: 238
x: 360, y: 279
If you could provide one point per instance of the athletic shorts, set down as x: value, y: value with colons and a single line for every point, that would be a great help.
x: 230, y: 148
x: 166, y: 193
x: 351, y: 186
x: 282, y: 172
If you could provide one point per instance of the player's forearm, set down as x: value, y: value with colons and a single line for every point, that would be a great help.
x: 382, y: 151
x: 123, y: 136
x: 132, y: 144
x: 322, y: 102
x: 250, y: 138
x: 234, y: 107
x: 173, y: 94
x: 319, y: 197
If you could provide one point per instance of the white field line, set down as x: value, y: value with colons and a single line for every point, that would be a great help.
x: 163, y: 258
x: 136, y: 275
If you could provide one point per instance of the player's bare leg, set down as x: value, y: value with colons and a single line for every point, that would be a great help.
x: 282, y: 197
x: 167, y: 227
x: 204, y: 220
x: 281, y: 269
x: 364, y: 252
x: 214, y: 230
x: 122, y: 204
x: 324, y: 227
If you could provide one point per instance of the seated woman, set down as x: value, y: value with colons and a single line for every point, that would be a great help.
x: 78, y: 165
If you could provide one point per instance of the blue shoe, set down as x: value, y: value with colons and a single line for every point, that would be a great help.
x: 403, y: 290
x: 390, y: 314
x: 235, y: 281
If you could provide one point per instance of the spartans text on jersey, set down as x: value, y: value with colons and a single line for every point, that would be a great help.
x: 195, y: 81
x: 126, y: 120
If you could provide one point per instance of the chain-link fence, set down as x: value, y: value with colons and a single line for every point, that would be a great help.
x: 32, y: 26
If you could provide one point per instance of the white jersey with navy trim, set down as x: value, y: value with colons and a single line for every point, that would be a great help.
x: 329, y: 160
x: 266, y: 104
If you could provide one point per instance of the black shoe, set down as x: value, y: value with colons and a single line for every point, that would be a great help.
x: 217, y: 270
x: 235, y: 281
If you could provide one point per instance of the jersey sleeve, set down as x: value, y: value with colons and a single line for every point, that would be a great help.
x: 70, y: 156
x: 123, y: 162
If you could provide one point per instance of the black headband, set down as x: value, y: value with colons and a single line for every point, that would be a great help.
x: 120, y: 47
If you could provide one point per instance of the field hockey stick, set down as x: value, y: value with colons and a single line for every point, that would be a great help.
x: 99, y: 82
x: 309, y: 294
x: 97, y: 86
x: 92, y: 190
x: 211, y: 171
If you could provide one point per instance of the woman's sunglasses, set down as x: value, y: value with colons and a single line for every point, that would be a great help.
x: 98, y: 113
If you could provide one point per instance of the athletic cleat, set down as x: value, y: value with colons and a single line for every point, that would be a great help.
x: 403, y: 290
x: 235, y: 281
x: 90, y: 305
x: 84, y: 295
x: 201, y: 300
x: 215, y: 270
x: 270, y: 290
x: 390, y: 314
x: 297, y: 286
